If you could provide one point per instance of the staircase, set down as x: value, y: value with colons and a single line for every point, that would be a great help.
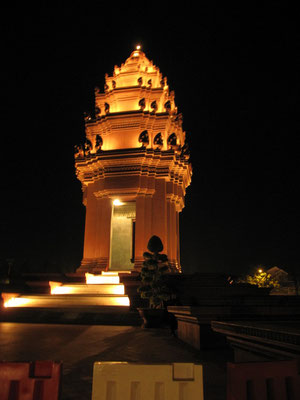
x: 101, y: 299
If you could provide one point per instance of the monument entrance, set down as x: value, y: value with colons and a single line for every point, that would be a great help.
x: 122, y: 236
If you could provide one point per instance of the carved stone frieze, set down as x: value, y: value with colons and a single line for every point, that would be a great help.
x: 159, y: 164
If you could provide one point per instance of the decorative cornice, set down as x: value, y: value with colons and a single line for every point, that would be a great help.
x: 132, y: 192
x: 128, y: 162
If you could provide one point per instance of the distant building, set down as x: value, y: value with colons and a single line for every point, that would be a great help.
x: 288, y: 284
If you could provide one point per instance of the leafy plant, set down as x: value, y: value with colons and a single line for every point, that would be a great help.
x: 153, y: 275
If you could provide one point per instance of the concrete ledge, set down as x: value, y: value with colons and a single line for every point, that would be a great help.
x: 261, y: 341
x: 194, y: 322
x: 193, y: 327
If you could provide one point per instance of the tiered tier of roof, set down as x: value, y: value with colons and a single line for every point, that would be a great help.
x: 135, y: 115
x: 135, y: 99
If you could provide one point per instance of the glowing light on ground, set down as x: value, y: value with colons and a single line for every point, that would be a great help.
x: 62, y: 290
x: 119, y: 301
x: 53, y: 285
x: 17, y: 302
x: 92, y: 279
x: 117, y: 289
x: 100, y: 290
x: 110, y: 273
x: 72, y: 301
x: 8, y: 296
x: 94, y: 289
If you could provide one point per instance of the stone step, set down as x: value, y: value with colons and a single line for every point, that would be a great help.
x: 74, y: 300
x: 104, y: 278
x: 96, y: 289
x: 99, y: 301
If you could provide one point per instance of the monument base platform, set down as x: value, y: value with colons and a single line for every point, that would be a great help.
x: 104, y: 315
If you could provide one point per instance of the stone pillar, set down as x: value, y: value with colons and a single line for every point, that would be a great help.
x: 98, y: 229
x: 172, y: 224
x: 159, y: 212
x: 148, y: 219
x: 172, y: 231
x: 104, y: 232
x: 173, y: 234
x: 90, y: 228
x: 178, y: 266
x: 97, y: 233
x: 140, y: 246
x: 169, y: 229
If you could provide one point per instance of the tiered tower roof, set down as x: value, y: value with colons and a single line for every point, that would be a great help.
x: 136, y: 130
x: 136, y: 99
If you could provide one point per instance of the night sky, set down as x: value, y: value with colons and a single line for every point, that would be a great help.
x: 235, y: 77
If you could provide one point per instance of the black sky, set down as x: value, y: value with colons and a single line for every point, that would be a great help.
x: 234, y: 73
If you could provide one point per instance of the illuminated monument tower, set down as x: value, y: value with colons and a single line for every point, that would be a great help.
x: 134, y: 169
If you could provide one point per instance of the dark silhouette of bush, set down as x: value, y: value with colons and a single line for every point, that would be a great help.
x: 153, y: 275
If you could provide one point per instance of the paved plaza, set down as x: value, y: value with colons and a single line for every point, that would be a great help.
x: 79, y: 346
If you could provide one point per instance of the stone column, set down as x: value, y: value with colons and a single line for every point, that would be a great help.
x: 173, y: 233
x: 103, y: 232
x: 148, y: 219
x: 169, y: 229
x: 159, y: 212
x: 139, y: 231
x: 105, y: 235
x: 90, y: 230
x: 178, y: 242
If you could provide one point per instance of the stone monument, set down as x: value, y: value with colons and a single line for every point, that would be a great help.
x: 134, y: 168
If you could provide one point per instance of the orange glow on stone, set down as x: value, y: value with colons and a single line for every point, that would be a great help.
x: 62, y: 290
x: 17, y: 302
x: 53, y: 285
x: 98, y: 279
x: 136, y: 98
